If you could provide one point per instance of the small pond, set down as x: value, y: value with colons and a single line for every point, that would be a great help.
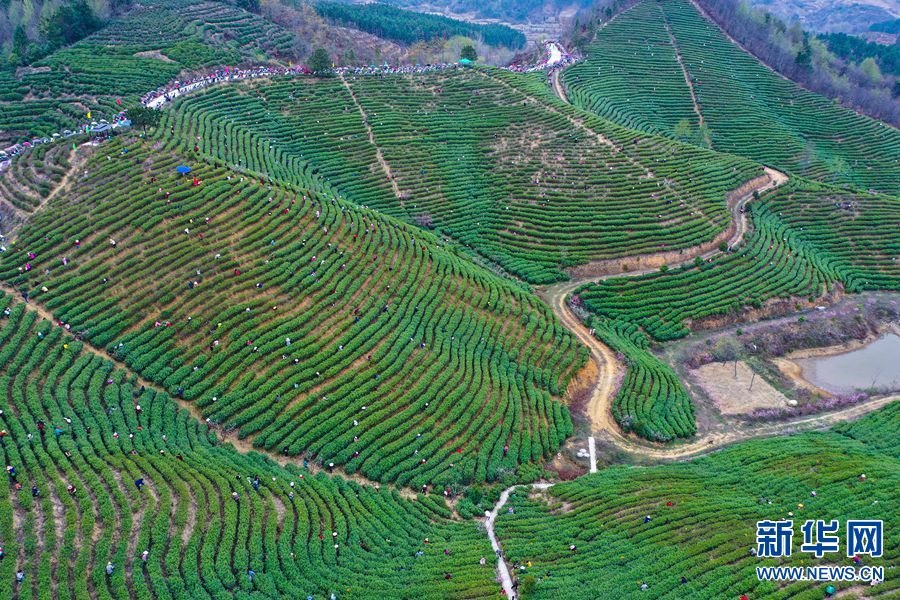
x: 876, y: 365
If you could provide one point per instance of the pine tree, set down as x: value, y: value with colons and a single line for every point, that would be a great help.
x: 319, y: 61
x: 468, y: 53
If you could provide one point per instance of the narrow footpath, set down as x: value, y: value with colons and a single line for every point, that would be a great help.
x: 558, y: 87
x: 503, y: 568
x: 378, y: 154
x: 687, y: 78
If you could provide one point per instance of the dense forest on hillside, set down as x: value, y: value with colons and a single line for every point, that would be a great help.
x: 886, y: 26
x: 858, y: 50
x: 407, y: 27
x: 520, y: 11
x: 27, y: 35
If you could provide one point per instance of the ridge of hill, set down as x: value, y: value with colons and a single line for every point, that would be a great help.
x: 746, y: 108
x: 487, y: 157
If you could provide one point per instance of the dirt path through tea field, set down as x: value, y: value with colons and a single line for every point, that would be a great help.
x: 599, y: 408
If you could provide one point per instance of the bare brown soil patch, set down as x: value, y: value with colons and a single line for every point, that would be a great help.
x: 734, y: 395
x: 578, y: 393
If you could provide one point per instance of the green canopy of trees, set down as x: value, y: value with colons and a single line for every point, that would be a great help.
x: 468, y: 53
x: 69, y: 23
x: 319, y: 61
x: 857, y: 50
x: 66, y: 25
x: 142, y: 118
x: 408, y: 27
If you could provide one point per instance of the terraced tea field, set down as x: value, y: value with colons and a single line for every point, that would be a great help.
x: 32, y: 178
x: 128, y: 58
x: 309, y: 324
x: 805, y: 238
x: 306, y: 365
x: 71, y: 418
x: 651, y: 401
x: 530, y: 184
x: 747, y: 109
x: 703, y: 518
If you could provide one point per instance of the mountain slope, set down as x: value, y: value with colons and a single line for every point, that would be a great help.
x: 703, y: 517
x: 301, y: 533
x: 311, y: 325
x: 848, y: 16
x: 132, y: 55
x: 746, y: 108
x: 485, y: 156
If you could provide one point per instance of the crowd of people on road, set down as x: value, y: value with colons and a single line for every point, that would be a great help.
x: 174, y: 89
x: 170, y: 91
x: 96, y: 129
x: 556, y: 56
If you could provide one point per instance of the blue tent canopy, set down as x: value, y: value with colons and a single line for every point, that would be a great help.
x: 183, y: 169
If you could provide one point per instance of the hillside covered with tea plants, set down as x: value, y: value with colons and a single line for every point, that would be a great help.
x: 662, y: 67
x: 342, y: 328
x: 312, y: 325
x: 701, y: 529
x: 120, y: 474
x: 484, y: 157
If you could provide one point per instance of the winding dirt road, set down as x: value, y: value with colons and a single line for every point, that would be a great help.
x: 599, y: 407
